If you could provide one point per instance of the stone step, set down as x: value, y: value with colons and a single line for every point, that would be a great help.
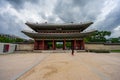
x: 57, y: 51
x: 80, y: 51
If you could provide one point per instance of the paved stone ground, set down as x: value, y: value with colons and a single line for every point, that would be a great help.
x: 12, y: 65
x: 82, y: 66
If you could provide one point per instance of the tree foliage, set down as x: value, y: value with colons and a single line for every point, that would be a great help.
x: 114, y: 40
x: 98, y: 36
x: 10, y: 40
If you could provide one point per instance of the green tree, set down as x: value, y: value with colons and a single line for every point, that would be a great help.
x: 98, y: 36
x: 115, y: 40
x: 10, y: 40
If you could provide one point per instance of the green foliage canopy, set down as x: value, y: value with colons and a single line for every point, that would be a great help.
x: 98, y: 36
x: 10, y: 40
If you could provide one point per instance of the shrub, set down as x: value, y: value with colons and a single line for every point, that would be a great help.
x: 99, y: 51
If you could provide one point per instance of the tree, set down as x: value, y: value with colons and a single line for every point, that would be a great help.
x: 98, y: 36
x: 115, y: 40
x: 10, y: 40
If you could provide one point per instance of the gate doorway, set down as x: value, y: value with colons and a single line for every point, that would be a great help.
x: 59, y: 45
x: 68, y: 45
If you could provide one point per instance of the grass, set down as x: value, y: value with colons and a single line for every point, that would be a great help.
x: 118, y: 51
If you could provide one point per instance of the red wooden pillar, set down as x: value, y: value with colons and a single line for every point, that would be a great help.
x: 64, y: 44
x: 82, y: 44
x: 40, y: 44
x: 45, y: 47
x: 35, y: 45
x: 79, y: 44
x: 53, y: 44
x: 74, y: 43
x: 43, y: 44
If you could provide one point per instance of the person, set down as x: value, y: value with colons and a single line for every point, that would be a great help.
x: 72, y: 51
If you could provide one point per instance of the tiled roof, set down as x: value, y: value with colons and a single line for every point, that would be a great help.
x: 57, y: 35
x: 65, y: 26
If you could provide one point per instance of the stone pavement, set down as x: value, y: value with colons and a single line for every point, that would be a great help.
x: 13, y: 65
x: 81, y: 66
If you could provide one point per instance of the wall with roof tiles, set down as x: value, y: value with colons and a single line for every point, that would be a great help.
x: 102, y: 46
x: 25, y: 47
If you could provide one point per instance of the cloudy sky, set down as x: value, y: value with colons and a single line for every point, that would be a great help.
x: 104, y: 13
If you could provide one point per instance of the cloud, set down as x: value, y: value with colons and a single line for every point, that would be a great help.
x: 78, y: 10
x: 19, y: 4
x: 107, y: 14
x: 10, y: 26
x: 14, y: 14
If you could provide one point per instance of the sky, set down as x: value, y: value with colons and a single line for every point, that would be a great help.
x: 15, y: 13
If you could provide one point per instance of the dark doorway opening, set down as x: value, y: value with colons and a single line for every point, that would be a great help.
x: 49, y: 45
x: 59, y: 44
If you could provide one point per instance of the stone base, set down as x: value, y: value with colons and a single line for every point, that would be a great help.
x: 57, y: 51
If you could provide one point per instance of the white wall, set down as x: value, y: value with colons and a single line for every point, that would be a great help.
x: 29, y: 47
x: 11, y: 48
x: 102, y: 46
x: 1, y: 48
x: 25, y: 47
